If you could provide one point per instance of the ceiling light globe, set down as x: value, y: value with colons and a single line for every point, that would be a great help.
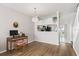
x: 35, y: 19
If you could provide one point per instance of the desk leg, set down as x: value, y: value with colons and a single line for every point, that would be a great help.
x: 7, y: 45
x: 10, y: 46
x: 27, y: 41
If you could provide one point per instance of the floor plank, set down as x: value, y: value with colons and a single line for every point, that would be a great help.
x: 42, y: 49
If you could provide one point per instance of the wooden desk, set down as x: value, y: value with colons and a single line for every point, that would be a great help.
x: 11, y: 40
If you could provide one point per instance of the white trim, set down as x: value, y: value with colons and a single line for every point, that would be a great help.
x: 47, y: 42
x: 75, y: 51
x: 3, y: 51
x: 30, y: 41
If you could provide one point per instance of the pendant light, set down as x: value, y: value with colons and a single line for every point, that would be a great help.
x: 35, y: 18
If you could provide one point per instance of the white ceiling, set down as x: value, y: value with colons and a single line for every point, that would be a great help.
x: 43, y: 9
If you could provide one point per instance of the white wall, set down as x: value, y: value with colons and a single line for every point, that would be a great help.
x: 52, y: 37
x: 7, y: 17
x: 47, y: 37
x: 76, y: 44
x: 76, y: 32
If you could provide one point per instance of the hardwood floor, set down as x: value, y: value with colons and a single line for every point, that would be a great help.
x: 42, y: 49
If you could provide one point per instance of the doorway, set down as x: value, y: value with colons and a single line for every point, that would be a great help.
x: 63, y: 33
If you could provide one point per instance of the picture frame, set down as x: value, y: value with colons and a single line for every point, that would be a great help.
x: 47, y: 28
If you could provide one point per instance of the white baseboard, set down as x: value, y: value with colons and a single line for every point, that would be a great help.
x: 47, y: 42
x: 30, y: 41
x: 2, y: 51
x: 75, y: 51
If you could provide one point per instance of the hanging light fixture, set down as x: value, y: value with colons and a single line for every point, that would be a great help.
x: 35, y: 18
